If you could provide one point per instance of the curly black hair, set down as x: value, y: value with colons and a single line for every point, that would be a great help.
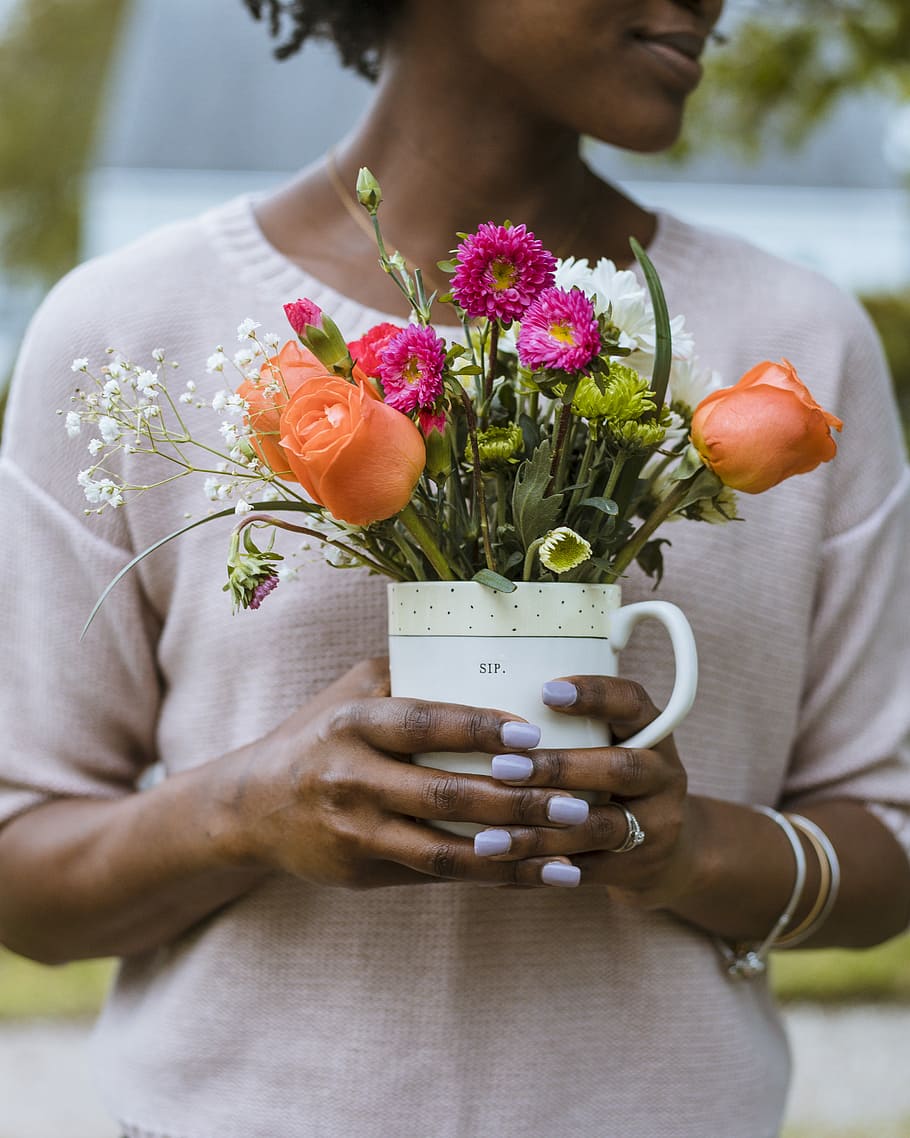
x: 357, y: 28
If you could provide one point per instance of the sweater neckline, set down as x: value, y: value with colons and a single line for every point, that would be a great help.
x: 235, y: 232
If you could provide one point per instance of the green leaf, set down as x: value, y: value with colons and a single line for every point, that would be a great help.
x: 494, y: 581
x: 605, y: 505
x: 663, y: 355
x: 141, y: 557
x: 535, y: 513
x: 705, y: 484
x: 651, y: 559
x: 513, y: 560
x: 690, y: 464
x: 530, y: 430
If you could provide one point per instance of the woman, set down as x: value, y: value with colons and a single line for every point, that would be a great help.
x: 272, y: 983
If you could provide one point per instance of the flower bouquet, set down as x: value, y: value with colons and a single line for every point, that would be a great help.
x: 546, y: 440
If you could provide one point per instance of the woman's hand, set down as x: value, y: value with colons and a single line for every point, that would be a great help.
x: 330, y: 796
x: 650, y: 783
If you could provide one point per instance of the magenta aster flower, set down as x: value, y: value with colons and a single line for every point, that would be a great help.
x: 410, y: 367
x: 559, y: 330
x: 500, y: 271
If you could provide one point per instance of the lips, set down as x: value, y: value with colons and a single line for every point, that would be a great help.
x: 689, y: 44
x: 674, y: 54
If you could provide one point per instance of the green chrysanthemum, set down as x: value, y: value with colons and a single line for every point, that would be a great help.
x: 622, y: 414
x: 499, y: 444
x: 635, y: 438
x: 626, y: 397
x: 563, y: 549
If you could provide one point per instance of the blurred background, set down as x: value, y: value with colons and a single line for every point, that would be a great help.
x: 120, y: 115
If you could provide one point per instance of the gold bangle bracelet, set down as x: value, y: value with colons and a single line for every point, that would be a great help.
x: 795, y: 935
x: 807, y: 928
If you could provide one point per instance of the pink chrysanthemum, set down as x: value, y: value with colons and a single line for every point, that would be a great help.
x: 303, y: 312
x: 500, y: 271
x: 410, y: 368
x: 559, y: 330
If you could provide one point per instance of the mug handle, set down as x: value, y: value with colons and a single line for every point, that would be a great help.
x: 685, y: 656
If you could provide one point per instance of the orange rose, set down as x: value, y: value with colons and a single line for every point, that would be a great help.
x: 764, y: 429
x: 351, y: 452
x: 279, y: 378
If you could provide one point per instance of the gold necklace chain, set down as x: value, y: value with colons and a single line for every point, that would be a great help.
x: 359, y: 217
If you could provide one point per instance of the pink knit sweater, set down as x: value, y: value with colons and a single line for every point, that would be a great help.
x: 449, y: 1011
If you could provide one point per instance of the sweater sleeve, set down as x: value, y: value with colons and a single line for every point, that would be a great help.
x: 854, y: 732
x: 77, y: 717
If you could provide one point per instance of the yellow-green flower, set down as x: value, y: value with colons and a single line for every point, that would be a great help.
x: 636, y: 438
x: 626, y: 397
x: 623, y: 413
x: 499, y: 444
x: 563, y: 549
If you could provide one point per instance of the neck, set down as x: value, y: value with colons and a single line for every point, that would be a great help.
x: 444, y: 169
x: 447, y: 159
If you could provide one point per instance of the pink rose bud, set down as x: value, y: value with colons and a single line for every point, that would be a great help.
x: 300, y: 313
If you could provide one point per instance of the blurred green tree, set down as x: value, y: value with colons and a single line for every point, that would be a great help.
x: 789, y: 62
x: 53, y: 63
x: 786, y: 67
x: 54, y: 57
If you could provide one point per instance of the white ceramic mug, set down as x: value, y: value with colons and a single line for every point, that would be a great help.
x: 462, y: 642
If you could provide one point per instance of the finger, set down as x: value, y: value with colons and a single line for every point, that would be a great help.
x: 628, y: 772
x: 622, y: 703
x: 445, y: 856
x: 438, y: 854
x: 407, y: 726
x: 606, y: 829
x: 434, y: 795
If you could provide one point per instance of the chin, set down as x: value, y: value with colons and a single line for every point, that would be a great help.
x: 644, y: 134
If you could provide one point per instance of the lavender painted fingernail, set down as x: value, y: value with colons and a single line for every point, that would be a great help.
x: 558, y: 693
x: 511, y: 768
x: 488, y: 843
x: 558, y: 873
x: 521, y: 735
x: 571, y: 811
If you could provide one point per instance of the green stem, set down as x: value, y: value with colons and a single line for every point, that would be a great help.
x: 479, y: 491
x: 279, y: 523
x: 561, y: 426
x: 491, y: 362
x: 413, y: 523
x: 529, y: 559
x: 502, y: 491
x: 568, y: 447
x: 662, y: 511
x: 583, y: 469
x: 618, y: 463
x: 534, y: 405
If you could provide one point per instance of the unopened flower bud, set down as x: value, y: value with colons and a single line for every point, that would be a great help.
x: 368, y: 192
x: 439, y: 454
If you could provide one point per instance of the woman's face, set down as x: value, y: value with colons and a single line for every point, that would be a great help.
x: 619, y: 70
